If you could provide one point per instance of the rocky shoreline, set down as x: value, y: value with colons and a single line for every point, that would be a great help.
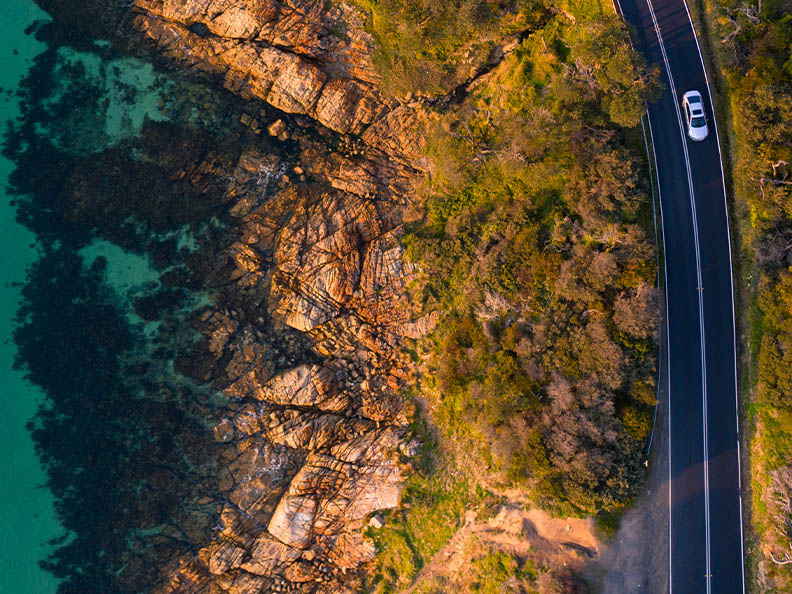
x: 291, y: 376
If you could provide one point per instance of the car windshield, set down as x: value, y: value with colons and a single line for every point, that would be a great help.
x: 698, y: 122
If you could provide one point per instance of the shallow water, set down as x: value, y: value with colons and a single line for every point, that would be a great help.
x: 110, y: 152
x: 27, y: 518
x: 130, y: 93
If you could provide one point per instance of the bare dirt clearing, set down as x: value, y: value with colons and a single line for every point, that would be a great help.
x: 526, y: 534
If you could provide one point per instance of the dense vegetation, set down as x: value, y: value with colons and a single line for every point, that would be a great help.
x: 533, y: 247
x: 536, y: 247
x: 427, y: 47
x: 755, y: 57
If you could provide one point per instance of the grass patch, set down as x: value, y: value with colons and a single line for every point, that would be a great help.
x: 430, y: 47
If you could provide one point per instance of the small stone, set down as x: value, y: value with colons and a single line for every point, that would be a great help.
x: 511, y: 46
x: 245, y: 119
x: 276, y: 128
x: 299, y: 170
x: 410, y: 449
x: 377, y: 521
x: 254, y: 124
x: 283, y: 136
x: 224, y: 431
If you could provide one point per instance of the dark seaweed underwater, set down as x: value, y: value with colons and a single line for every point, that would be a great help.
x: 123, y: 433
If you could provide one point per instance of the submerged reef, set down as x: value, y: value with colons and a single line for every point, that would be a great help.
x: 231, y: 423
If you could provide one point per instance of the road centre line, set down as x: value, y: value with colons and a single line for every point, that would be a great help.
x: 700, y: 297
x: 731, y: 282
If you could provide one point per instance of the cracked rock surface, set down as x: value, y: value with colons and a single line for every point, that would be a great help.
x: 309, y: 452
x: 280, y: 332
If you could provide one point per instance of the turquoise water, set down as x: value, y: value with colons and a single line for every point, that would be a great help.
x: 99, y: 330
x: 121, y: 115
x: 27, y: 518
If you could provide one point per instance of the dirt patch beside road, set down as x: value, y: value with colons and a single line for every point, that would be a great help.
x: 555, y: 545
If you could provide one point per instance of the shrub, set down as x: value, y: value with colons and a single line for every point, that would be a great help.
x: 531, y: 248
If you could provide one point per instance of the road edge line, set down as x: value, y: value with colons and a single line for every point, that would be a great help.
x: 668, y: 350
x: 650, y: 160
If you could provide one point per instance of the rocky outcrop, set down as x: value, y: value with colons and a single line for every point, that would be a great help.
x: 308, y: 452
x: 312, y: 451
x: 298, y: 56
x: 280, y: 211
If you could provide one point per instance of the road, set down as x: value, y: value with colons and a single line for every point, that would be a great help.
x: 705, y: 515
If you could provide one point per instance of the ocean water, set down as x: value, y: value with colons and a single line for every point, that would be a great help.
x: 27, y: 518
x: 119, y: 413
x: 129, y: 92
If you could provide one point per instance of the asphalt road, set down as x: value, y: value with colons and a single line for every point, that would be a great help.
x: 705, y: 543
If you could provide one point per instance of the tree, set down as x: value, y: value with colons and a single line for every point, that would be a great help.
x: 635, y: 312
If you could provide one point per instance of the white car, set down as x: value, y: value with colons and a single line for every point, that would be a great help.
x: 695, y: 119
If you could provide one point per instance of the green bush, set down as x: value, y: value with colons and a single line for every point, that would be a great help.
x: 531, y: 237
x: 429, y: 47
x: 535, y: 228
x: 433, y: 506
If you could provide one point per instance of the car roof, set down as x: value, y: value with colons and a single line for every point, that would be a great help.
x: 693, y: 95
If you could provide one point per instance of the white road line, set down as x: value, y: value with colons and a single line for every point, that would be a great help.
x: 655, y: 200
x: 700, y: 297
x: 654, y: 219
x: 731, y: 282
x: 665, y: 290
x: 668, y: 350
x: 652, y: 177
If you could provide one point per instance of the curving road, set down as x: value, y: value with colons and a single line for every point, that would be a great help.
x: 705, y: 514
